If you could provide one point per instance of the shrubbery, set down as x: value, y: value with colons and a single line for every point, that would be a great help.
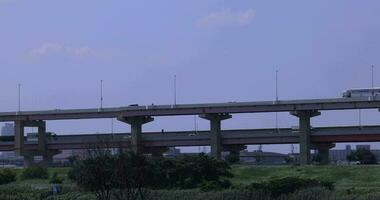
x: 7, y: 176
x: 35, y: 172
x: 127, y: 175
x: 187, y: 172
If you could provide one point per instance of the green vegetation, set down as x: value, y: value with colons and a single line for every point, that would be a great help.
x: 361, y: 182
x: 358, y: 179
x: 364, y: 156
x: 128, y: 175
x: 35, y: 172
x: 7, y: 176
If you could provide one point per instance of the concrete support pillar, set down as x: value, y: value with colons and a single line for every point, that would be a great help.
x: 215, y: 131
x: 42, y: 138
x: 305, y: 130
x: 136, y: 129
x: 19, y: 138
x: 323, y: 152
x: 28, y: 160
x: 47, y: 160
x: 235, y: 150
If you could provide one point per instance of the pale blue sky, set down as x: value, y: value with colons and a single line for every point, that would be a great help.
x: 220, y: 51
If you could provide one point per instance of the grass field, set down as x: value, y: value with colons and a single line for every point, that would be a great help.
x: 360, y: 179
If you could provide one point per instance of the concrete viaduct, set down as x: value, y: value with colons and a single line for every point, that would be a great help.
x: 136, y: 116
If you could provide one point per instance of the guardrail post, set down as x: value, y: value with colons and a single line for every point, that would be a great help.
x: 136, y: 129
x: 305, y: 130
x: 215, y: 132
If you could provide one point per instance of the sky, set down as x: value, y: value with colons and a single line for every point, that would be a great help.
x: 219, y: 50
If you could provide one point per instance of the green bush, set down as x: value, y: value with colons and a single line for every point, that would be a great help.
x: 7, y: 176
x: 55, y: 179
x: 35, y: 172
x: 185, y: 172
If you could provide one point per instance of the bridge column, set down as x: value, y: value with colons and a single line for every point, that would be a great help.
x: 215, y: 132
x: 19, y: 137
x: 323, y: 152
x: 235, y: 150
x: 28, y: 160
x: 136, y: 129
x: 305, y: 130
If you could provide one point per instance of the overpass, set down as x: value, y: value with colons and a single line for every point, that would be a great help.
x: 322, y: 138
x: 136, y: 116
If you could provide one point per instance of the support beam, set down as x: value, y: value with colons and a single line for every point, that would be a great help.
x: 19, y: 138
x: 323, y: 152
x: 28, y: 160
x: 305, y: 130
x: 215, y: 132
x: 136, y: 129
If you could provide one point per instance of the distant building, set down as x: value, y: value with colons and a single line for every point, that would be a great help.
x: 337, y: 155
x: 8, y: 130
x: 340, y: 155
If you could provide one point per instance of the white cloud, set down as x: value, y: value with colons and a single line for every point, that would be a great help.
x: 55, y: 48
x: 228, y: 18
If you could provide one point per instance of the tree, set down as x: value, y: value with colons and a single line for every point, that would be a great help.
x: 121, y: 175
x: 364, y: 156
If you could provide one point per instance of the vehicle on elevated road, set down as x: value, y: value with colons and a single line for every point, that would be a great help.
x: 363, y: 92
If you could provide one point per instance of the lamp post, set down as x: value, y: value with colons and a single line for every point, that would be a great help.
x: 277, y: 129
x: 19, y: 97
x: 175, y: 89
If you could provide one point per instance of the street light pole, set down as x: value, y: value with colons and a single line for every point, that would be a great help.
x: 175, y: 89
x: 19, y: 98
x: 277, y: 100
x: 101, y: 94
x: 373, y: 82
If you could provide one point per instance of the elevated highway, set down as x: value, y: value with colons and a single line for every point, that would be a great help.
x: 136, y: 116
x: 195, y: 109
x: 338, y: 134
